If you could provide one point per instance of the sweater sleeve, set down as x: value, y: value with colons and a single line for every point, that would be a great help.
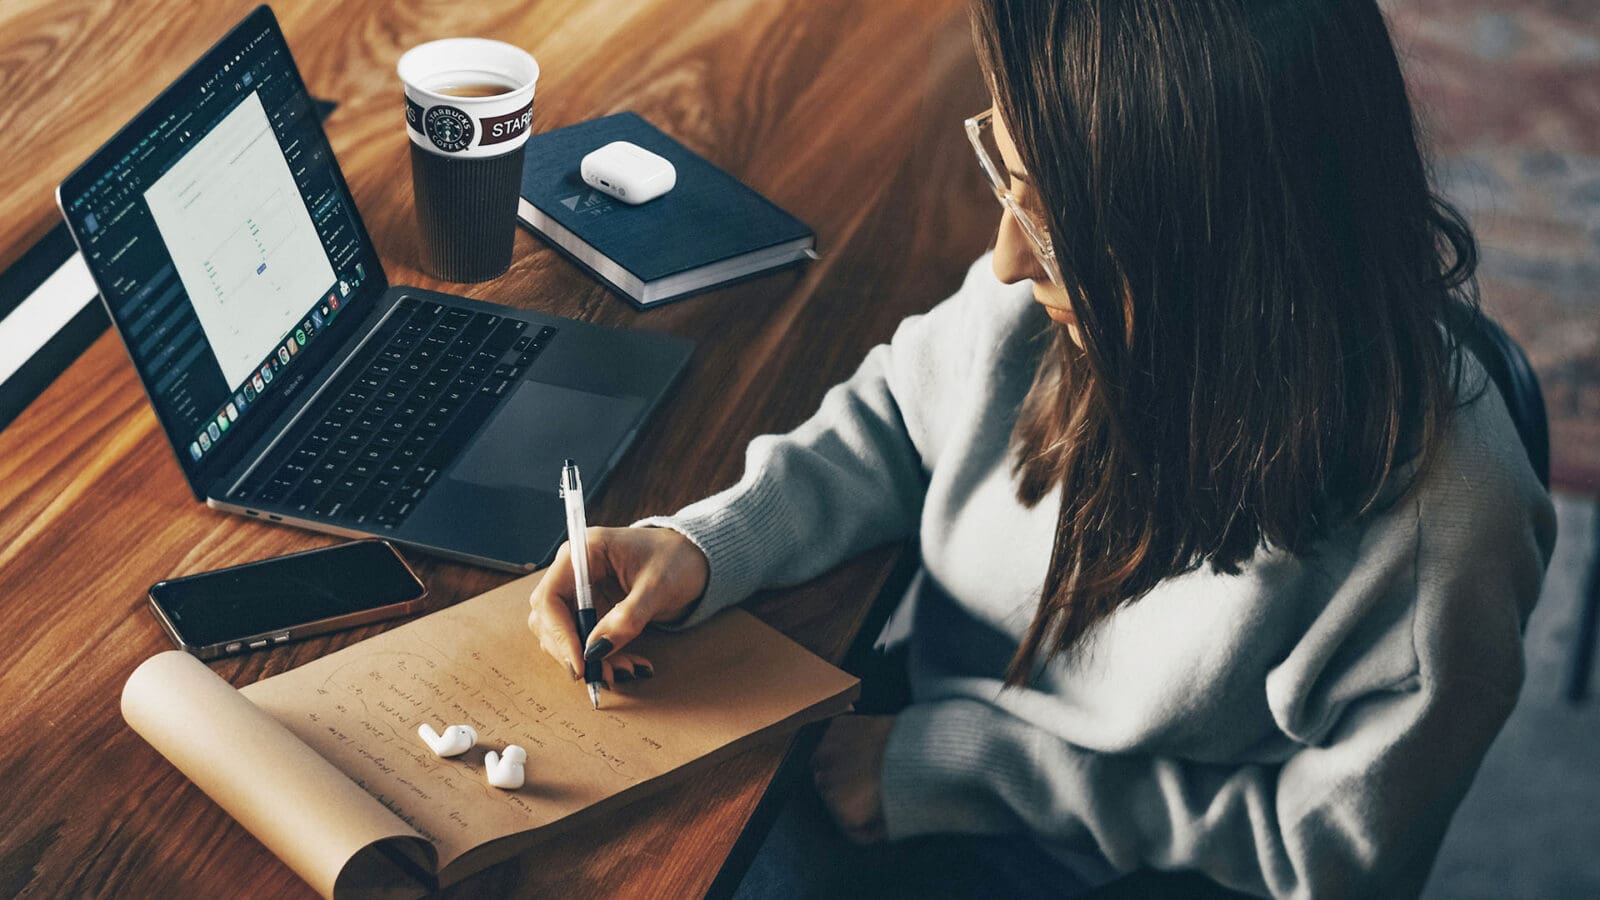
x: 1360, y: 806
x: 851, y: 477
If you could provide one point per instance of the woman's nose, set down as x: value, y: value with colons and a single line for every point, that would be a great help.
x: 1014, y: 259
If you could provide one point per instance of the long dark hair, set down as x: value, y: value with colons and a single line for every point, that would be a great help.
x: 1258, y: 269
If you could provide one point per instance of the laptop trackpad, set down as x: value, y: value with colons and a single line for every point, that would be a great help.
x: 541, y: 425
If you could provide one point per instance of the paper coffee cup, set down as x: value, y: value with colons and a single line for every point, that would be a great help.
x: 469, y: 106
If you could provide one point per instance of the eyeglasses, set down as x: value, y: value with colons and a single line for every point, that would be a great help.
x: 980, y: 131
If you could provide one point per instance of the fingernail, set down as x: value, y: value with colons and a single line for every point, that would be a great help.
x: 598, y: 648
x: 643, y: 671
x: 623, y: 675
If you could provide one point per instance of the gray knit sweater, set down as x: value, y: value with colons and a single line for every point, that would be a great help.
x: 1304, y: 728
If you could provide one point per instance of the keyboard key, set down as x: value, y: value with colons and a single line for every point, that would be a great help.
x: 308, y: 492
x: 473, y: 335
x: 505, y: 335
x: 422, y: 476
x: 370, y: 501
x: 332, y: 503
x: 275, y: 490
x: 395, y: 510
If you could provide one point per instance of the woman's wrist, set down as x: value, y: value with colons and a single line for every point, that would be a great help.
x: 689, y: 561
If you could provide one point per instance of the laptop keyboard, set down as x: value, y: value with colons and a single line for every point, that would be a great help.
x: 427, y: 381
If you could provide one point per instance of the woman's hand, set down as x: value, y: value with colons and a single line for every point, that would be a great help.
x: 638, y: 575
x: 846, y: 770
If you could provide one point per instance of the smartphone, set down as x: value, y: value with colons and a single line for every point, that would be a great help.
x: 285, y: 598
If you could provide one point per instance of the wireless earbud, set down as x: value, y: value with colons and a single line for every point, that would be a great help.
x: 456, y: 740
x: 505, y: 771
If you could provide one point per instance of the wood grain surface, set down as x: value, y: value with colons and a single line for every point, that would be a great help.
x: 846, y: 113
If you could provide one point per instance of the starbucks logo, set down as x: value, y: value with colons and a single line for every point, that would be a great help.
x: 449, y: 128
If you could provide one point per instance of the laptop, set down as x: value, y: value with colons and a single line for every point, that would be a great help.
x: 293, y: 382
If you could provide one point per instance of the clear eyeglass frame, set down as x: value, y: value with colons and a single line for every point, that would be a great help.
x: 980, y: 131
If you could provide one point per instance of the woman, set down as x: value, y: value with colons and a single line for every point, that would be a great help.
x: 1226, y: 546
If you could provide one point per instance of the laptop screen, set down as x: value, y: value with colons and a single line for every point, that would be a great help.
x: 225, y: 242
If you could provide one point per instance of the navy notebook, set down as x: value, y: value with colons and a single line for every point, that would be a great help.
x: 710, y: 229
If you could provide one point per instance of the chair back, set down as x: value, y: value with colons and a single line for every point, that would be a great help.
x: 1508, y: 368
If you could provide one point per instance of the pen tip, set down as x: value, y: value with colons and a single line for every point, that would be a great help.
x: 594, y: 695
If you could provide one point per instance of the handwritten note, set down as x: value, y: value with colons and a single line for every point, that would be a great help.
x: 476, y: 664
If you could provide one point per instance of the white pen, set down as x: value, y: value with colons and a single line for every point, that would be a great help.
x: 578, y: 542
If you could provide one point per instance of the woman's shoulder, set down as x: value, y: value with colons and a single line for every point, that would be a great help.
x: 1479, y: 477
x: 984, y: 305
x: 1432, y: 587
x: 985, y: 325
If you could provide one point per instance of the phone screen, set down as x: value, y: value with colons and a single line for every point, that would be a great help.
x: 285, y: 592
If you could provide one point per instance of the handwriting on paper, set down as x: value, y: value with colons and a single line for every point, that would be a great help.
x: 368, y: 711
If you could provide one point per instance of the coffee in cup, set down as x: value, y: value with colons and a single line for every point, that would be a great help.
x: 469, y: 105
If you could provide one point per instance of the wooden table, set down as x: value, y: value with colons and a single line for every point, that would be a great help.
x: 846, y: 113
